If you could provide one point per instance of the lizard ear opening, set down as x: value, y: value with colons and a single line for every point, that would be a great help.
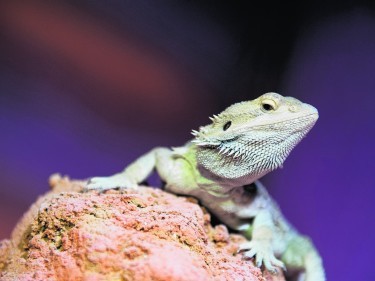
x: 227, y: 125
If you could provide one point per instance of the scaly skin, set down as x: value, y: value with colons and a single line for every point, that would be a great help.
x: 221, y: 167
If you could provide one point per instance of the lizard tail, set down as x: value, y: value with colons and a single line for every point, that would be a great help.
x: 314, y: 266
x: 302, y: 256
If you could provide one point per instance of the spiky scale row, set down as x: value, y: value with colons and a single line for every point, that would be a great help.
x: 195, y: 133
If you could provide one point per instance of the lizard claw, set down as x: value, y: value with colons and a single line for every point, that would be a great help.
x: 263, y: 253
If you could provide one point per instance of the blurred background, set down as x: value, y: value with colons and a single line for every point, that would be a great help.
x: 87, y: 86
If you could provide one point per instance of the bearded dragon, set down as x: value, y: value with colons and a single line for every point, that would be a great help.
x: 221, y: 167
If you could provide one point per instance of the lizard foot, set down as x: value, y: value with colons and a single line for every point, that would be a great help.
x: 105, y: 183
x: 262, y: 250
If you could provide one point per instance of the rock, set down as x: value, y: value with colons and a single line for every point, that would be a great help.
x: 144, y: 234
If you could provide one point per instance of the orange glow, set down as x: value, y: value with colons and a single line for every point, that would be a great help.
x: 117, y: 62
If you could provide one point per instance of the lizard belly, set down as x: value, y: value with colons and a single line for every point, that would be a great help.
x: 227, y: 208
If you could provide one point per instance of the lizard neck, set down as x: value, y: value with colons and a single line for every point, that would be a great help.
x: 214, y: 171
x: 204, y: 179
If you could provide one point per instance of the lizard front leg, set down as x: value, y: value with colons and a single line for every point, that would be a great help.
x: 260, y: 245
x: 132, y: 175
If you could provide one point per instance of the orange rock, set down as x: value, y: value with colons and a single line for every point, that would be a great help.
x: 146, y: 234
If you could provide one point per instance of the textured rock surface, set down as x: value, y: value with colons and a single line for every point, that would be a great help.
x: 145, y: 234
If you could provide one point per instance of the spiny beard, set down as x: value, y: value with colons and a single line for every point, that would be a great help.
x: 249, y: 155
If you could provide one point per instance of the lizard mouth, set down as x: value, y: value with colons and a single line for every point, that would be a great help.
x: 230, y: 140
x: 215, y: 144
x: 232, y: 147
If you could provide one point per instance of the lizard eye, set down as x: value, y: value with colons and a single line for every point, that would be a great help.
x: 268, y: 105
x: 227, y: 125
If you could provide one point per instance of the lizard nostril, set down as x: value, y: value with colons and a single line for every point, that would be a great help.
x: 293, y: 108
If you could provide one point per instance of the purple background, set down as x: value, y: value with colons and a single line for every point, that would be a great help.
x: 85, y: 89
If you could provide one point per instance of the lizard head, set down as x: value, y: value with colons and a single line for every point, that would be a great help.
x: 252, y: 138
